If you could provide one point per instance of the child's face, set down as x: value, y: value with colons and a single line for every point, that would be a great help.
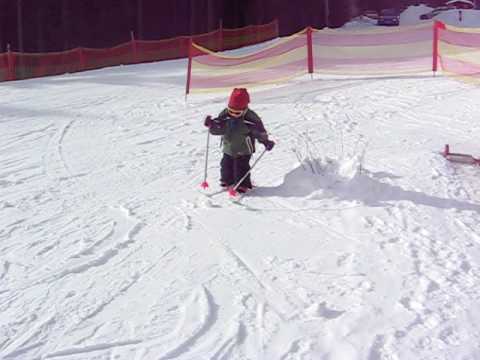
x: 235, y: 113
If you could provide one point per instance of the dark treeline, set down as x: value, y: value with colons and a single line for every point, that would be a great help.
x: 56, y: 25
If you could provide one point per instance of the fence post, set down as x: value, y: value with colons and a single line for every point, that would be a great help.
x: 437, y: 25
x: 10, y: 63
x: 310, y: 50
x: 189, y: 71
x: 134, y: 47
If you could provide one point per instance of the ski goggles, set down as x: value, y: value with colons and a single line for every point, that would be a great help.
x: 236, y: 113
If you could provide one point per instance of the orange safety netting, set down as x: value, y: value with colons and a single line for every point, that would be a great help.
x: 4, y: 67
x: 283, y: 60
x: 169, y: 49
x: 459, y: 51
x: 147, y: 51
x: 402, y: 49
x: 249, y: 35
x: 213, y: 40
x: 99, y: 58
x: 34, y: 65
x: 15, y: 65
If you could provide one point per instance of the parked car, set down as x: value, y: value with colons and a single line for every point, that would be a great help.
x: 388, y: 17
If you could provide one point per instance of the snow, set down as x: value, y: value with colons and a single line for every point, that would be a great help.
x: 466, y: 2
x: 411, y: 16
x: 360, y: 240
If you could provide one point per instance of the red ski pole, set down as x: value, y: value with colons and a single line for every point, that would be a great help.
x: 233, y: 190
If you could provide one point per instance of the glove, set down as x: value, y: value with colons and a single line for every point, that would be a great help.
x: 208, y: 121
x: 269, y: 144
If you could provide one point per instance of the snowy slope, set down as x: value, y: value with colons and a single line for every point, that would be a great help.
x: 359, y: 242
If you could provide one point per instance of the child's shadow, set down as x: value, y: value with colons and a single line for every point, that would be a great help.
x: 365, y: 187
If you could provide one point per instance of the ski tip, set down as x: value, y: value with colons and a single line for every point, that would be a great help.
x: 446, y: 150
x: 204, y: 185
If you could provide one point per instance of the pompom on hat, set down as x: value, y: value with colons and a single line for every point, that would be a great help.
x: 239, y: 99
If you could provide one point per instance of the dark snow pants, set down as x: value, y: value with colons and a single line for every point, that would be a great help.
x: 232, y: 169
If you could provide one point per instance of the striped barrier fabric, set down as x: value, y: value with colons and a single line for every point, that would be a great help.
x: 459, y: 52
x: 283, y: 60
x: 393, y: 50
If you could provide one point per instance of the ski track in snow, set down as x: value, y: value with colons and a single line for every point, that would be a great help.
x: 359, y: 242
x: 457, y: 267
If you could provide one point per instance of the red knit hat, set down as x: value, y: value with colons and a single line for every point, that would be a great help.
x: 239, y: 99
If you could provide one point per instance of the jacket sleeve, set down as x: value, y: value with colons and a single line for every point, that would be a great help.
x: 218, y: 126
x: 257, y: 129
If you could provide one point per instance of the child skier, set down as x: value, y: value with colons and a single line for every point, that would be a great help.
x: 239, y: 127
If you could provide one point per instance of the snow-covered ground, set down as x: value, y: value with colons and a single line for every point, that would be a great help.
x: 359, y: 242
x: 411, y: 16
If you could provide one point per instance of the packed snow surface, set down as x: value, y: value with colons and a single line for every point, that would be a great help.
x: 360, y: 240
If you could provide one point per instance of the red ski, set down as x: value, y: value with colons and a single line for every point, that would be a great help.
x: 460, y: 158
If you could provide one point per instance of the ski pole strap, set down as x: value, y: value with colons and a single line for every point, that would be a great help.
x: 249, y: 171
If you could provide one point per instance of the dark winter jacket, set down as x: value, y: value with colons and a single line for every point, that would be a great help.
x: 239, y: 134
